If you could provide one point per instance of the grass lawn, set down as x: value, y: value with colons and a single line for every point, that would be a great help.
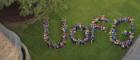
x: 81, y: 11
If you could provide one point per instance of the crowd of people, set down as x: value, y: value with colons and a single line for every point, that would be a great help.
x: 129, y: 34
x: 47, y: 39
x: 94, y: 24
x: 88, y: 34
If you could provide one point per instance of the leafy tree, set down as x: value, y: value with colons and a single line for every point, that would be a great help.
x: 32, y: 7
x: 35, y: 7
x: 5, y: 3
x: 27, y: 7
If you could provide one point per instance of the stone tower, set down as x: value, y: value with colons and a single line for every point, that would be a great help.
x: 11, y: 48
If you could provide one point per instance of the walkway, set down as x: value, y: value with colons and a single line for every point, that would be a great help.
x: 134, y: 51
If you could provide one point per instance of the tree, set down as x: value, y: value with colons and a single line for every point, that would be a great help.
x: 34, y: 7
x: 5, y: 3
x: 27, y: 7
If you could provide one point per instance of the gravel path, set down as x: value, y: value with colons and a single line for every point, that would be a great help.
x: 134, y: 52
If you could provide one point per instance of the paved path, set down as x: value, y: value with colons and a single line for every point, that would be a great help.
x: 134, y: 52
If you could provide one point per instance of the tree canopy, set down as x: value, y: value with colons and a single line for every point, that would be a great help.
x: 28, y: 7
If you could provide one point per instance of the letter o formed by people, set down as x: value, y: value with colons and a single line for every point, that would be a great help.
x: 88, y: 34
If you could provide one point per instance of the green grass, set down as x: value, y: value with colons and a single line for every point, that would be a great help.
x: 81, y: 11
